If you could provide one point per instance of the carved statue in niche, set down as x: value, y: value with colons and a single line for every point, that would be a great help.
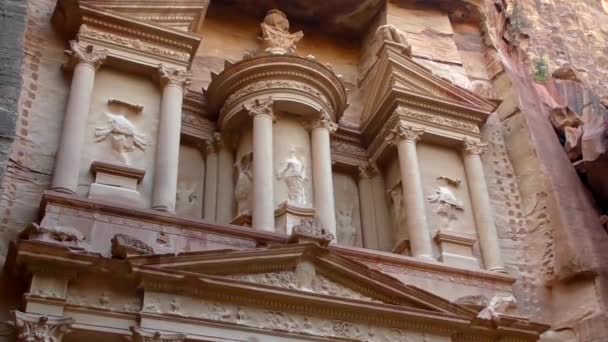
x: 123, y: 136
x: 294, y: 175
x: 448, y: 207
x: 347, y: 231
x: 276, y: 36
x: 186, y: 197
x: 244, y: 183
x: 396, y: 199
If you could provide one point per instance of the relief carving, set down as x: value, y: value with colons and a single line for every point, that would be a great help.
x: 392, y: 34
x: 244, y: 184
x: 141, y: 335
x: 275, y: 34
x: 124, y: 246
x: 123, y: 136
x: 62, y: 234
x: 294, y: 175
x: 37, y: 328
x: 397, y: 208
x: 438, y: 119
x: 447, y: 207
x: 310, y: 230
x: 497, y: 306
x: 186, y: 196
x: 348, y: 233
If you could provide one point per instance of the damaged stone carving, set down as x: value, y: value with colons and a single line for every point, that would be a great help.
x: 497, y: 305
x: 37, y: 328
x: 244, y: 182
x: 65, y: 235
x: 124, y: 246
x: 123, y: 136
x: 294, y: 175
x: 141, y: 335
x: 310, y: 230
x: 275, y: 34
x: 392, y: 34
x: 447, y: 207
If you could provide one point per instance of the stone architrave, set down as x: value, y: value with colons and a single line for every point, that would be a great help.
x: 40, y: 328
x: 405, y: 138
x: 323, y: 186
x: 263, y: 187
x: 482, y: 209
x: 276, y: 36
x: 173, y: 81
x: 141, y: 335
x: 84, y: 60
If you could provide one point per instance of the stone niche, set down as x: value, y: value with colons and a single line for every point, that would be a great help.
x: 190, y: 182
x: 348, y: 215
x: 121, y: 131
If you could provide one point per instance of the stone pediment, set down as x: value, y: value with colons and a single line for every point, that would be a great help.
x: 302, y: 269
x: 398, y: 81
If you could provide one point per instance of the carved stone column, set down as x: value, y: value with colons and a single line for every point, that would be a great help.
x: 374, y: 209
x: 33, y: 327
x: 141, y: 335
x: 263, y: 187
x: 405, y: 138
x: 323, y: 185
x: 173, y: 82
x: 85, y: 61
x: 210, y: 194
x: 225, y: 196
x: 480, y: 199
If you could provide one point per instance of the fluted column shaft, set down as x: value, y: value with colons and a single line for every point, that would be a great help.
x: 173, y: 82
x: 323, y: 184
x: 85, y: 62
x: 211, y: 176
x: 482, y: 209
x: 405, y: 138
x: 225, y: 197
x: 263, y: 188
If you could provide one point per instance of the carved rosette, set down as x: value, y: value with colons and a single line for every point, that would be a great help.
x: 38, y: 328
x: 173, y: 76
x: 260, y: 107
x: 368, y: 170
x: 324, y: 122
x: 473, y: 148
x: 406, y: 133
x: 84, y: 54
x: 141, y: 335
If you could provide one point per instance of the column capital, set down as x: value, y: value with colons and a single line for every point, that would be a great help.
x: 33, y: 327
x: 323, y: 121
x: 368, y: 170
x: 260, y: 107
x: 473, y: 148
x: 402, y: 132
x: 173, y: 76
x: 141, y: 335
x: 84, y: 54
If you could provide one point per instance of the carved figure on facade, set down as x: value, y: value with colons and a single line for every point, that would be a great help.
x: 275, y: 34
x: 37, y: 328
x: 186, y: 196
x: 123, y: 136
x: 244, y: 183
x: 348, y: 233
x: 294, y: 175
x: 84, y: 54
x: 392, y: 34
x: 309, y: 229
x: 64, y: 235
x: 124, y: 246
x: 498, y: 305
x: 447, y: 207
x: 397, y: 207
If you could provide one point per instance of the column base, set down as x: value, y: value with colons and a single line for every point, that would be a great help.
x: 498, y: 269
x: 64, y: 191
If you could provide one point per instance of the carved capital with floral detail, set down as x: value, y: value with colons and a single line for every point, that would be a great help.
x: 40, y: 328
x: 141, y: 335
x: 403, y: 132
x: 323, y: 121
x: 368, y: 170
x: 260, y: 107
x: 173, y: 76
x: 473, y: 148
x: 84, y: 54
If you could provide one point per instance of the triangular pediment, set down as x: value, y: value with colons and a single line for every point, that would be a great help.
x: 302, y: 270
x: 397, y: 75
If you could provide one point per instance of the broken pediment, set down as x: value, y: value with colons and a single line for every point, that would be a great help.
x: 397, y: 81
